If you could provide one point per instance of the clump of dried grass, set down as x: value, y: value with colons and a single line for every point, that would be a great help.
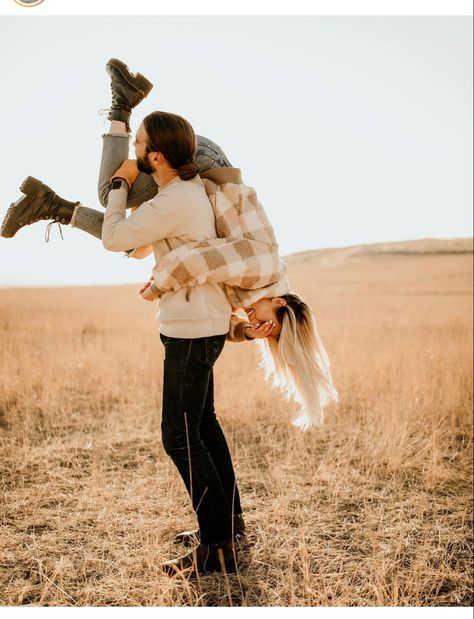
x: 373, y: 509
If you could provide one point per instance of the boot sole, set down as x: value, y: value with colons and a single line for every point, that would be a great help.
x: 30, y: 187
x: 137, y: 81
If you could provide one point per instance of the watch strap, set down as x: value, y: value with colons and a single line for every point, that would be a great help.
x: 119, y: 183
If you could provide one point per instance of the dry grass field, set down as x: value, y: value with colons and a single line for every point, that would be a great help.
x: 373, y: 509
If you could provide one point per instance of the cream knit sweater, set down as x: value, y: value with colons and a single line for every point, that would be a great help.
x: 180, y: 213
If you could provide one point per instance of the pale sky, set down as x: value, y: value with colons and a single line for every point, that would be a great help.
x: 351, y: 129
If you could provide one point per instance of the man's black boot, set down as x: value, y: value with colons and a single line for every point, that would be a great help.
x: 39, y: 202
x: 203, y: 559
x: 191, y: 538
x: 128, y: 90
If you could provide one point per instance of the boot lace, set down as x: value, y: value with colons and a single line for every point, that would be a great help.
x: 105, y: 111
x: 47, y: 234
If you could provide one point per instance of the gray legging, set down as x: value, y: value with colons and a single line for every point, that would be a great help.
x: 114, y: 152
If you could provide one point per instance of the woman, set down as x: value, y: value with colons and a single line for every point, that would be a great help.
x: 293, y: 356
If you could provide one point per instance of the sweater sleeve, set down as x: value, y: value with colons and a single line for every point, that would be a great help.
x: 155, y: 220
x: 237, y: 329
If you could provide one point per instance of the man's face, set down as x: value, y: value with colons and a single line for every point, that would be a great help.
x: 141, y: 142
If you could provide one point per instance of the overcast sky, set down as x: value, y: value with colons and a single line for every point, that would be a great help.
x: 351, y: 129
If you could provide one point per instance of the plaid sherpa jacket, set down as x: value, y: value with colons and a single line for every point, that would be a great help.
x: 244, y: 257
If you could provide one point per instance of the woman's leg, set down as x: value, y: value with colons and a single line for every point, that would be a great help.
x: 88, y: 220
x: 209, y: 155
x: 115, y: 148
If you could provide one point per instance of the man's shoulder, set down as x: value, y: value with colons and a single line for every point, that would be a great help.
x: 178, y: 191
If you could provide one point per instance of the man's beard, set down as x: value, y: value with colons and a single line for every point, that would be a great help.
x: 144, y: 166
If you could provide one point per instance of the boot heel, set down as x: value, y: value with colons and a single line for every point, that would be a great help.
x: 142, y: 84
x: 30, y: 186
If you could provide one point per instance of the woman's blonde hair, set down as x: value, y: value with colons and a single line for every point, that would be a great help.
x: 297, y: 362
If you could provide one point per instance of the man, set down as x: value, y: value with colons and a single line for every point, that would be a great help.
x: 193, y: 327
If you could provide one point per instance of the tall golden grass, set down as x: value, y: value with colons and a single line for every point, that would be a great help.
x: 375, y: 508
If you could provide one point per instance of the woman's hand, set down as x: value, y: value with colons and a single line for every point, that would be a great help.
x: 250, y: 314
x: 142, y: 252
x: 147, y: 293
x: 260, y: 330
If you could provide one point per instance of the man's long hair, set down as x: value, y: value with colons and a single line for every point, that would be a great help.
x: 173, y: 137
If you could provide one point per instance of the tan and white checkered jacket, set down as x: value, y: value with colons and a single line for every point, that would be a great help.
x: 244, y: 256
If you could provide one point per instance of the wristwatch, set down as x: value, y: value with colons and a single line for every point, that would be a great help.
x: 118, y: 183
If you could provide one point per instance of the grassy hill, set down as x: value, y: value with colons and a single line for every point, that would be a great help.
x: 417, y: 247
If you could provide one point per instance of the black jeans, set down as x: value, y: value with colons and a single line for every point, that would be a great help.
x: 193, y: 437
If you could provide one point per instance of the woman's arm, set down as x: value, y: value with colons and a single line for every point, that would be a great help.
x: 141, y: 252
x: 245, y: 263
x: 240, y: 330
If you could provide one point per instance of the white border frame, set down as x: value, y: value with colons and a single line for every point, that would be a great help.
x: 243, y: 7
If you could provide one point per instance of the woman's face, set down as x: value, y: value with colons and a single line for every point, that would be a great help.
x: 265, y: 310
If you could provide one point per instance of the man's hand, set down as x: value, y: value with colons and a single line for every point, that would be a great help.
x: 128, y: 171
x: 147, y: 293
x: 260, y: 330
